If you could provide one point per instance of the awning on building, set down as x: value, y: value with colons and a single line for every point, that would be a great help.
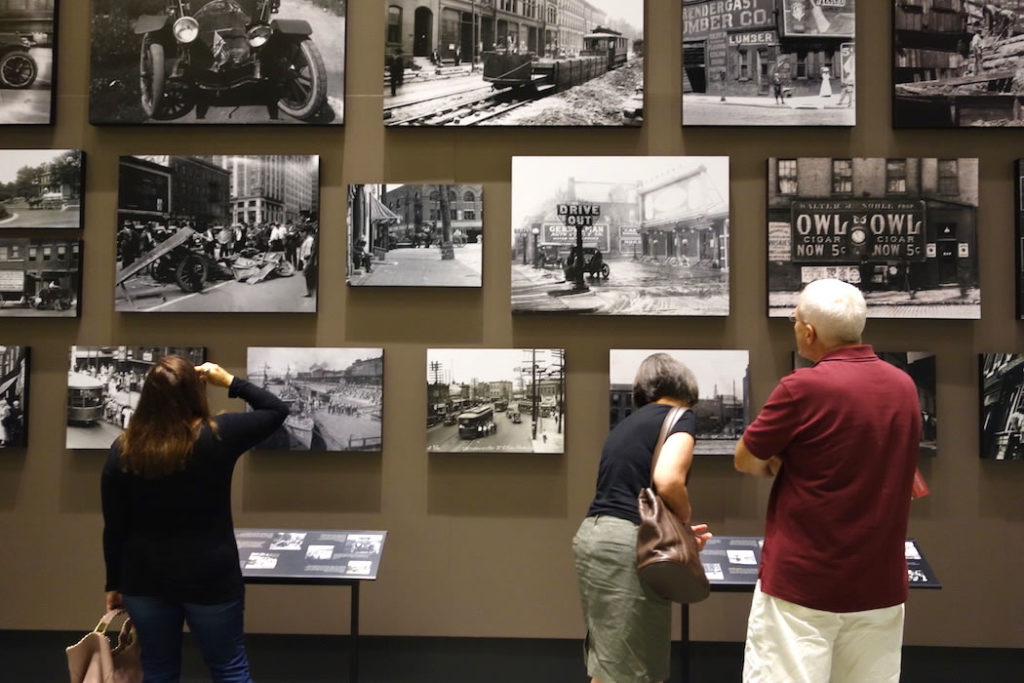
x: 379, y: 212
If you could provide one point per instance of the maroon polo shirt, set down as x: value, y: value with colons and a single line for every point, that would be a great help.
x: 847, y: 430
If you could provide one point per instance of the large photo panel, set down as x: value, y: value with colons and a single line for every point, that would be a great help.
x: 220, y: 62
x: 620, y: 235
x: 41, y: 188
x: 521, y: 63
x: 769, y: 63
x: 334, y: 395
x: 40, y: 278
x: 903, y: 230
x: 14, y: 376
x: 28, y: 36
x: 496, y: 400
x: 104, y: 383
x: 723, y: 379
x: 955, y: 63
x: 1001, y: 390
x: 415, y: 235
x: 217, y: 234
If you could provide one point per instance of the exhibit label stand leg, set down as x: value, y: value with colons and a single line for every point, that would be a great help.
x: 353, y: 662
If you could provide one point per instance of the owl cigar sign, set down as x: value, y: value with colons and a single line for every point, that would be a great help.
x: 839, y: 231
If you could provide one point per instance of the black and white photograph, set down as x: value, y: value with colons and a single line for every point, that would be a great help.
x: 1002, y: 405
x: 902, y: 230
x: 496, y: 400
x: 28, y: 34
x: 723, y: 379
x: 769, y: 63
x: 620, y: 235
x: 363, y: 544
x: 319, y: 552
x: 334, y: 395
x: 104, y: 383
x: 1019, y: 234
x: 956, y: 63
x: 40, y: 278
x: 920, y: 365
x: 407, y: 235
x: 261, y: 561
x: 218, y: 62
x: 287, y: 540
x: 40, y: 188
x: 217, y: 234
x: 14, y: 374
x: 514, y: 63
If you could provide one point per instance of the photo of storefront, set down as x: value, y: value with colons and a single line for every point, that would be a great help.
x: 797, y: 63
x: 903, y: 230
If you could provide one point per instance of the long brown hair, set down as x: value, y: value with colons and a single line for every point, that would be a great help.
x: 164, y: 427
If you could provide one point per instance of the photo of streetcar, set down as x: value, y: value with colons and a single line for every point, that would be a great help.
x: 85, y: 399
x: 477, y: 422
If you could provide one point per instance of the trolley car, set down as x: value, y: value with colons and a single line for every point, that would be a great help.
x: 477, y: 422
x: 85, y: 399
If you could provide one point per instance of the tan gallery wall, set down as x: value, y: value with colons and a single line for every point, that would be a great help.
x: 479, y: 545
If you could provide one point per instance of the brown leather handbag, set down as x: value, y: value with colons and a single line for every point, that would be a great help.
x: 667, y: 554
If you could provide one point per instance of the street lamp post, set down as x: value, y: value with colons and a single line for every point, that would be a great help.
x: 536, y: 236
x: 526, y: 240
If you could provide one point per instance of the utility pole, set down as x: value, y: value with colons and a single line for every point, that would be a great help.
x: 447, y: 250
x: 533, y: 371
x: 435, y: 367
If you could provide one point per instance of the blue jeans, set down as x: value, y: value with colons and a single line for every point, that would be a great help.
x: 217, y: 630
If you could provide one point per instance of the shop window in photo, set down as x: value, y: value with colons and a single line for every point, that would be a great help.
x: 801, y: 64
x: 949, y: 177
x: 787, y: 176
x: 744, y: 64
x: 469, y: 196
x: 842, y: 176
x: 47, y: 253
x: 394, y: 24
x: 896, y: 176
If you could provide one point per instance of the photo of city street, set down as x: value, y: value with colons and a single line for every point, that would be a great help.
x: 216, y: 234
x: 769, y: 63
x: 514, y: 63
x: 103, y: 389
x: 41, y: 188
x: 28, y: 30
x: 903, y: 230
x: 40, y: 278
x: 957, y: 64
x: 1001, y: 376
x: 920, y: 365
x: 218, y: 62
x: 407, y: 235
x: 14, y: 374
x: 496, y: 400
x: 335, y: 396
x: 723, y: 378
x: 620, y: 235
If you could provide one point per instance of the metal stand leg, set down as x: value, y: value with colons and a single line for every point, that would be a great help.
x: 353, y: 662
x: 684, y: 645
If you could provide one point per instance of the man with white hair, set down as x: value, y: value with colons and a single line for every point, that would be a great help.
x: 841, y: 439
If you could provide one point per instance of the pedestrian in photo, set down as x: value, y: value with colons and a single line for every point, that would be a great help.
x: 396, y: 71
x: 841, y: 439
x: 777, y: 86
x: 168, y: 539
x: 628, y: 625
x: 310, y: 266
x: 826, y: 83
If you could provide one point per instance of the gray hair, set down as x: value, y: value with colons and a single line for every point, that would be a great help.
x: 836, y: 309
x: 662, y: 376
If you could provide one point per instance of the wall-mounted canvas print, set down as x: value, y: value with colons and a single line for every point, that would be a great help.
x: 14, y: 361
x: 723, y: 379
x: 415, y: 235
x: 513, y: 63
x: 769, y: 63
x: 1002, y: 406
x: 1019, y: 214
x: 920, y: 365
x: 40, y: 277
x: 496, y: 400
x: 40, y: 188
x: 104, y: 383
x: 620, y: 235
x: 903, y: 230
x: 335, y: 396
x: 955, y: 63
x: 218, y: 62
x: 217, y: 234
x: 28, y: 33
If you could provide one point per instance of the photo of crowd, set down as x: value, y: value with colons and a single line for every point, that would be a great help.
x: 13, y: 396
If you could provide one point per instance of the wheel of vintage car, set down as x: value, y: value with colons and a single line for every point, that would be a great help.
x: 18, y: 69
x: 305, y: 84
x: 152, y: 75
x: 605, y: 271
x: 284, y: 268
x: 191, y: 274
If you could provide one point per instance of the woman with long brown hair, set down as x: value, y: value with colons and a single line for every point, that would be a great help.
x: 168, y: 537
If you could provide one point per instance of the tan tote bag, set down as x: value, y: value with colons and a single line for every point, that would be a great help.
x: 92, y: 660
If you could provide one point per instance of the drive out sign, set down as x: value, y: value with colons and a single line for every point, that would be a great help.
x: 579, y: 215
x: 855, y: 230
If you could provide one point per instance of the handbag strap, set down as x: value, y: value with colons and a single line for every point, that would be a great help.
x: 107, y: 618
x: 674, y: 413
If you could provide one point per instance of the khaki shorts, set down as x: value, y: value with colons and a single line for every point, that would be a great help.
x: 629, y: 628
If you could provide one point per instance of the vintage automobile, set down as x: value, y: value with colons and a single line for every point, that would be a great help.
x: 221, y: 55
x: 52, y: 299
x: 18, y: 69
x: 593, y: 264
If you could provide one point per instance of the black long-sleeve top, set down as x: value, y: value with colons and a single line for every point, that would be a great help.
x: 173, y: 536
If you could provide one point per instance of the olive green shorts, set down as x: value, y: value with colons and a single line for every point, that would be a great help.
x: 629, y: 628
